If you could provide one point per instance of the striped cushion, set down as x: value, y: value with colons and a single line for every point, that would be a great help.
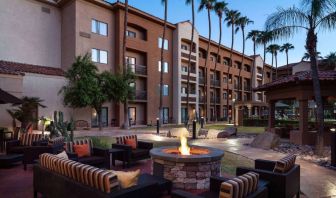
x: 239, y: 187
x: 285, y: 164
x: 56, y: 141
x: 68, y: 146
x: 99, y: 179
x: 122, y: 139
x: 27, y: 139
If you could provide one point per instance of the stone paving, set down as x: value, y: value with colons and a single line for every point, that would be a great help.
x: 316, y: 181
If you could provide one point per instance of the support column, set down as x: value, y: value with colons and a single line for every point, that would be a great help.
x: 249, y: 108
x: 303, y: 120
x: 271, y: 116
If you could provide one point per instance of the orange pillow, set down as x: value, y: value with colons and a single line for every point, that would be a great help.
x: 82, y: 150
x: 131, y: 142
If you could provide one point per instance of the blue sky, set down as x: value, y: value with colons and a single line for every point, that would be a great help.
x: 256, y: 10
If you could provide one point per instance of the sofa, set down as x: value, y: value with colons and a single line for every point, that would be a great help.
x: 25, y: 141
x: 132, y: 155
x: 55, y: 177
x: 281, y: 185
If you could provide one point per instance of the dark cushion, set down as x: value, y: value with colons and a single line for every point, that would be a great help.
x: 136, y: 153
x: 18, y: 149
x: 91, y: 160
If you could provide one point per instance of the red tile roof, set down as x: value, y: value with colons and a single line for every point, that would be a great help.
x: 15, y: 68
x: 298, y: 77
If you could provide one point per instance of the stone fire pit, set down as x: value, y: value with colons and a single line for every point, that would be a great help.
x: 187, y: 171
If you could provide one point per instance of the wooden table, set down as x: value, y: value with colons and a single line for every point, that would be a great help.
x: 3, y: 139
x: 7, y: 160
x: 113, y: 151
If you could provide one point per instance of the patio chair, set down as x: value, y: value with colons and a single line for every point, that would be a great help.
x: 25, y: 141
x: 140, y: 152
x: 282, y: 185
x: 223, y: 185
x: 98, y: 157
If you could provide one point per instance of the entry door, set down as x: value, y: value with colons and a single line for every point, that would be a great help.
x: 132, y: 115
x: 103, y: 117
x: 130, y: 61
x: 165, y: 115
x: 212, y: 113
x: 183, y: 115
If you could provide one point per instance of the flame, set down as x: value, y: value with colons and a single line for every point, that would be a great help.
x: 184, y: 148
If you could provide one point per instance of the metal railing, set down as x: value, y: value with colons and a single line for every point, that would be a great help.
x: 215, y: 83
x: 138, y: 69
x: 140, y: 95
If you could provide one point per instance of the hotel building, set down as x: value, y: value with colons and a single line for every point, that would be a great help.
x: 39, y: 40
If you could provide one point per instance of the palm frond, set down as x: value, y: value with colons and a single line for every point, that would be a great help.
x: 328, y: 22
x: 220, y: 7
x: 285, y: 32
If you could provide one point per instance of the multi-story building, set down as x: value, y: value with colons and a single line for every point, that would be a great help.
x: 40, y: 39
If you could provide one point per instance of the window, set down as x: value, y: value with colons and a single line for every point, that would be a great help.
x: 165, y: 90
x: 184, y: 47
x: 165, y: 43
x: 268, y: 75
x: 130, y: 61
x: 183, y: 90
x: 224, y: 95
x: 165, y: 67
x: 184, y: 68
x: 99, y: 27
x: 225, y: 79
x: 130, y: 34
x: 99, y: 56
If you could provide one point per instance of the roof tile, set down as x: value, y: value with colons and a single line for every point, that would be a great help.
x: 15, y: 68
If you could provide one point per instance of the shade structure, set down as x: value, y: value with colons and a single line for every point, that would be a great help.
x: 6, y: 98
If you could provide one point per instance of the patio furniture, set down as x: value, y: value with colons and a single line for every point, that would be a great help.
x: 215, y: 188
x: 8, y: 160
x: 98, y: 157
x: 112, y: 153
x: 82, y: 125
x: 141, y: 151
x: 25, y: 141
x: 281, y: 184
x: 4, y: 137
x: 53, y: 146
x: 164, y: 185
x: 55, y: 177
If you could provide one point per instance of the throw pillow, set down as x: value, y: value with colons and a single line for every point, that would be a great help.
x: 82, y: 150
x: 62, y: 155
x: 127, y: 179
x: 131, y: 142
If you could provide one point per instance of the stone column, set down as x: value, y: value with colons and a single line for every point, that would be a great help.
x: 271, y: 116
x: 303, y: 120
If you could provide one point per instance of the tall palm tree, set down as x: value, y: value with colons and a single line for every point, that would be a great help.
x: 253, y: 35
x: 242, y: 22
x: 263, y: 39
x: 209, y: 6
x: 165, y: 2
x: 231, y: 21
x: 188, y: 2
x: 269, y: 50
x: 306, y: 56
x: 274, y: 49
x: 314, y: 15
x: 285, y: 48
x: 330, y: 61
x: 220, y: 8
x: 125, y: 66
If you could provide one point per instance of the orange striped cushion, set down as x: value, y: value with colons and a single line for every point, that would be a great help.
x: 285, y: 164
x: 240, y: 186
x: 122, y: 139
x: 27, y: 139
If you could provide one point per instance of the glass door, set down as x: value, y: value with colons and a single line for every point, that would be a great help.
x: 165, y: 115
x: 103, y: 117
x: 132, y: 115
x: 130, y: 61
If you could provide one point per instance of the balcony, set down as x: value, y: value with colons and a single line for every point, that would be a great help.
x: 138, y: 69
x: 247, y: 88
x: 213, y: 100
x: 236, y: 87
x: 201, y: 80
x: 215, y: 83
x: 140, y: 95
x: 201, y: 99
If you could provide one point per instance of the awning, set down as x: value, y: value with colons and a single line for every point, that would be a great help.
x: 6, y: 98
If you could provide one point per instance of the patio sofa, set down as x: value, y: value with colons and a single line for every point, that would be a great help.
x: 25, y: 141
x: 56, y: 177
x: 217, y: 185
x: 140, y: 152
x: 281, y: 185
x: 98, y: 157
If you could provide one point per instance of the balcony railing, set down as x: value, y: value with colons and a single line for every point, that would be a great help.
x: 213, y: 100
x: 138, y: 69
x: 201, y: 80
x: 215, y: 83
x: 247, y: 88
x: 201, y: 99
x: 140, y: 95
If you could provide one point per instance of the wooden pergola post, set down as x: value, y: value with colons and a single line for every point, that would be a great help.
x: 271, y: 116
x: 303, y: 120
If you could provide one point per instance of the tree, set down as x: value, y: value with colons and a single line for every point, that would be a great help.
x: 165, y: 2
x: 306, y: 56
x: 274, y: 49
x: 314, y: 15
x: 264, y: 38
x: 285, y: 48
x: 188, y: 2
x: 330, y: 61
x: 220, y: 8
x: 209, y: 6
x: 125, y: 66
x: 253, y: 35
x: 242, y: 22
x: 231, y: 21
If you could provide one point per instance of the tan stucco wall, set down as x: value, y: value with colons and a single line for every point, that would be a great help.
x: 29, y: 35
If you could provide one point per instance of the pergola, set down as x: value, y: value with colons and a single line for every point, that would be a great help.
x: 298, y: 87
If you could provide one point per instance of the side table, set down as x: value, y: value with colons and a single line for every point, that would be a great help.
x: 114, y: 151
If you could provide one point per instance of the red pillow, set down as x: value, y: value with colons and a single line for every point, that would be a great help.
x: 82, y: 150
x: 131, y: 142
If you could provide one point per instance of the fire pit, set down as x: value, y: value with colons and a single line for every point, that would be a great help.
x: 187, y: 168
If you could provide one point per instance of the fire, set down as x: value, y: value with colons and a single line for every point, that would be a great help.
x: 184, y: 148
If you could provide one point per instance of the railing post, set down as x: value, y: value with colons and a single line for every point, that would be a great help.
x: 333, y: 147
x: 194, y: 129
x: 158, y: 126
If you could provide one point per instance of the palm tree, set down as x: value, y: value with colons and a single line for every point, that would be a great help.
x: 253, y: 35
x: 263, y: 39
x: 269, y: 50
x: 165, y: 2
x: 242, y: 23
x: 285, y: 48
x: 125, y: 67
x: 231, y: 21
x: 220, y: 7
x: 273, y: 49
x: 306, y: 56
x: 314, y: 15
x: 209, y: 5
x: 331, y: 61
x: 188, y: 2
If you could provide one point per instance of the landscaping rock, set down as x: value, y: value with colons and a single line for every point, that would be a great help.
x: 266, y: 141
x: 176, y: 132
x: 213, y: 133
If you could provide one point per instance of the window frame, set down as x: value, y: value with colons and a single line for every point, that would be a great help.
x: 165, y: 69
x: 98, y: 55
x: 165, y: 43
x: 97, y: 27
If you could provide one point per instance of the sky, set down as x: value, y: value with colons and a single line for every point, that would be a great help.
x: 256, y: 10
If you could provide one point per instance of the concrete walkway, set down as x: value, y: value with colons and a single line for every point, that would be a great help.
x: 316, y: 181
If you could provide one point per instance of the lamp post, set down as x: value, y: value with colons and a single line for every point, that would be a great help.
x: 333, y: 147
x: 194, y: 129
x: 233, y: 112
x: 158, y: 126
